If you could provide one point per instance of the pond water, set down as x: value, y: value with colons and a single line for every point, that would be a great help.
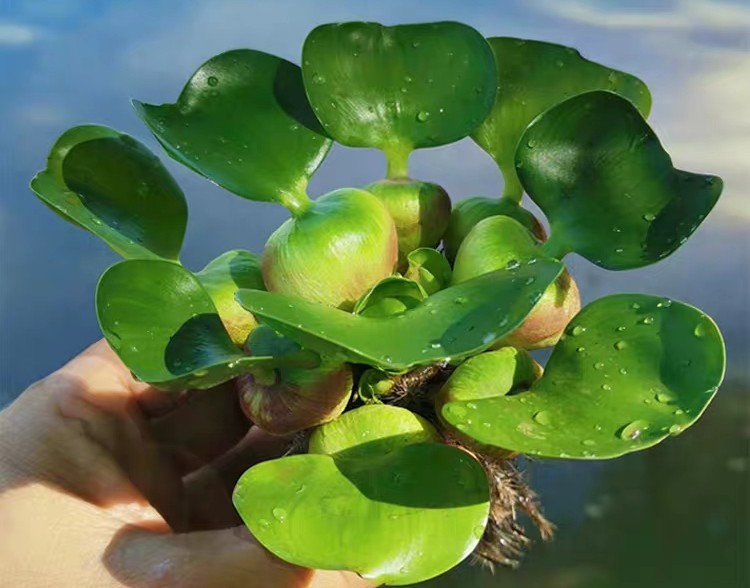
x: 676, y: 515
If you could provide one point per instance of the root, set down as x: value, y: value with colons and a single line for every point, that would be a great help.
x: 505, y: 540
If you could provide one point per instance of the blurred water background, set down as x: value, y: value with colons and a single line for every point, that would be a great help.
x: 677, y: 515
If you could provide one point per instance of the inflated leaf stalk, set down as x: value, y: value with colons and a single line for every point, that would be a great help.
x: 284, y: 400
x: 243, y: 121
x: 608, y: 188
x: 401, y: 372
x: 221, y: 278
x: 632, y: 370
x: 114, y: 187
x: 499, y: 242
x: 359, y: 501
x: 162, y: 323
x: 532, y: 76
x: 398, y: 89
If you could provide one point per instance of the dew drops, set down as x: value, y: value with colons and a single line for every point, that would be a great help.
x: 635, y: 306
x: 577, y: 330
x: 599, y: 365
x: 423, y: 116
x: 213, y: 81
x: 649, y: 320
x: 700, y: 330
x: 265, y: 523
x: 606, y: 387
x: 530, y: 143
x: 624, y: 371
x: 588, y: 442
x: 279, y: 514
x: 664, y: 398
x: 633, y: 430
x: 460, y: 300
x: 620, y: 329
x: 580, y: 349
x: 620, y: 345
x: 202, y: 373
x: 543, y: 418
x: 436, y: 344
x: 512, y: 264
x: 300, y: 489
x: 318, y: 79
x: 530, y: 280
x: 387, y: 358
x: 679, y: 412
x: 456, y: 410
x: 478, y: 531
x: 675, y: 429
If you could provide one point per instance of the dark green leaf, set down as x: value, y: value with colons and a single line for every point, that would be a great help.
x: 243, y: 121
x: 532, y: 76
x: 111, y: 185
x: 608, y: 188
x: 398, y: 88
x: 632, y: 370
x: 454, y: 323
x: 162, y: 323
x: 385, y: 505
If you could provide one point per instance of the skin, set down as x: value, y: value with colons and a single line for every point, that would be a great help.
x: 100, y: 486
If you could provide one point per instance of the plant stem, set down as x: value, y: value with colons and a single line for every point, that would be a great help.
x: 398, y: 161
x: 297, y: 201
x: 554, y: 247
x: 512, y: 190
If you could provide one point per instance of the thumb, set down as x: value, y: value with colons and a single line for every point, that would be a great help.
x: 226, y: 558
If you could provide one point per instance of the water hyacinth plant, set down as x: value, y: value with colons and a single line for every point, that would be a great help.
x: 388, y: 333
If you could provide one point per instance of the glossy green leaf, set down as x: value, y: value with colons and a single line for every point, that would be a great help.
x: 632, y: 370
x: 376, y: 427
x: 114, y: 187
x: 608, y: 188
x: 454, y: 323
x: 385, y: 505
x: 532, y: 76
x: 221, y: 278
x: 243, y: 121
x: 429, y: 268
x: 162, y: 323
x: 391, y: 296
x: 398, y: 88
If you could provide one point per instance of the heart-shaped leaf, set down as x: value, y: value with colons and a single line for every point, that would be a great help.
x: 111, y: 185
x: 162, y: 323
x: 394, y: 511
x: 454, y: 323
x: 608, y: 188
x: 221, y: 278
x: 428, y: 268
x: 390, y: 296
x: 532, y: 76
x: 243, y: 121
x: 398, y: 88
x: 632, y: 370
x: 368, y: 428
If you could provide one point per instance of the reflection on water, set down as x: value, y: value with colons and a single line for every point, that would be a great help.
x: 674, y: 515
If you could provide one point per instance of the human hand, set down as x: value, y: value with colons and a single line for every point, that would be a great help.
x: 105, y: 481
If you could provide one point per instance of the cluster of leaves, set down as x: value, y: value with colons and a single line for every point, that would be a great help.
x: 379, y: 491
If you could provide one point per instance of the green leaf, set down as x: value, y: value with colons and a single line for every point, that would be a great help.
x: 221, y: 278
x: 398, y: 88
x: 390, y: 509
x: 114, y: 187
x: 162, y: 323
x: 454, y: 323
x: 390, y: 296
x: 632, y: 370
x: 429, y: 269
x: 377, y: 427
x: 373, y: 384
x: 608, y: 188
x: 532, y: 76
x: 243, y: 121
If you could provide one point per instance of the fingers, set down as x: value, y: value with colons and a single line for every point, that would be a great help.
x: 208, y: 490
x: 221, y: 559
